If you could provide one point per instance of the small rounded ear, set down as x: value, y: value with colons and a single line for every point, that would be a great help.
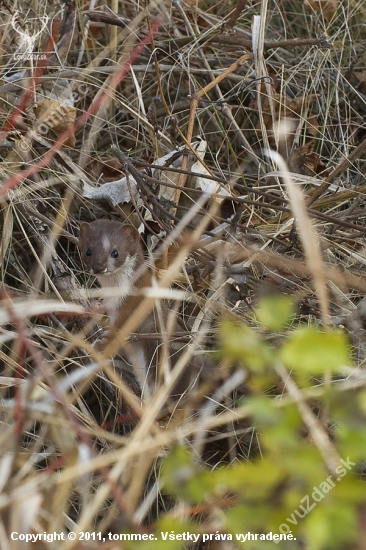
x: 130, y: 232
x: 84, y: 227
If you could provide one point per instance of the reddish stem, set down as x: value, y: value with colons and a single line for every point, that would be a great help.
x: 18, y: 111
x: 118, y: 77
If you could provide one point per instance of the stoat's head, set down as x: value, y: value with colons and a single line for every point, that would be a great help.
x: 109, y: 247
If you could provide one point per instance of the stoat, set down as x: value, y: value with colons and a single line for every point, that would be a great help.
x: 112, y: 252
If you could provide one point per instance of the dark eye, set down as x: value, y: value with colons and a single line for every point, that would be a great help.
x: 88, y: 252
x: 114, y: 254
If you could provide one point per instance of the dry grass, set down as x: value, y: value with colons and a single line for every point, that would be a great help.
x: 78, y: 449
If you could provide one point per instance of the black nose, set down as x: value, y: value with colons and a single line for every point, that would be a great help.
x: 97, y: 269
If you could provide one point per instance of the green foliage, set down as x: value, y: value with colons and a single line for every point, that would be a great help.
x: 274, y: 312
x: 285, y: 487
x: 330, y: 526
x: 313, y: 351
x: 182, y: 476
x: 240, y: 343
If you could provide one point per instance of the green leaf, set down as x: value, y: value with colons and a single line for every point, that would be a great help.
x: 182, y: 476
x: 315, y: 352
x: 352, y: 442
x: 253, y: 480
x: 263, y: 409
x: 177, y: 469
x: 361, y: 399
x: 330, y: 526
x: 246, y: 517
x: 274, y: 312
x: 240, y: 343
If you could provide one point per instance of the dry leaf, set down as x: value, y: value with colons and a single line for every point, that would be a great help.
x: 114, y: 192
x: 328, y: 8
x: 104, y: 168
x: 119, y: 191
x: 55, y: 108
x: 69, y: 33
x: 304, y: 161
x: 7, y: 231
x: 55, y: 115
x: 170, y: 159
x: 289, y: 114
x: 361, y: 77
x: 206, y: 185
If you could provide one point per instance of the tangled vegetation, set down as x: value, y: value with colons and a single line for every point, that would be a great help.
x: 232, y: 135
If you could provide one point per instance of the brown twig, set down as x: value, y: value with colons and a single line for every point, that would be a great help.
x: 338, y: 171
x: 108, y: 18
x: 255, y: 191
x: 230, y: 24
x: 238, y: 40
x: 317, y: 431
x: 22, y: 175
x: 345, y: 279
x: 194, y: 104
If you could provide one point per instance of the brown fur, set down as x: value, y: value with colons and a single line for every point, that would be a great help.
x: 100, y: 239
